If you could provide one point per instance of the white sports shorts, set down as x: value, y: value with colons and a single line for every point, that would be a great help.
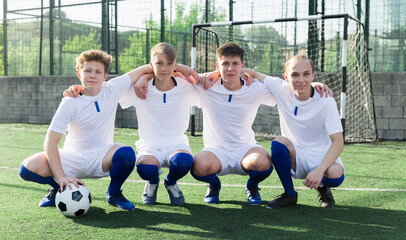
x: 307, y: 161
x: 162, y: 153
x: 230, y: 159
x: 86, y: 164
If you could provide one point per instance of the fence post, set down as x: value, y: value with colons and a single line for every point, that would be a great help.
x: 162, y: 20
x: 51, y: 36
x: 184, y: 48
x: 147, y: 55
x: 60, y: 38
x: 312, y: 34
x: 5, y: 37
x: 41, y: 39
x: 230, y: 18
x: 105, y: 26
x: 367, y: 23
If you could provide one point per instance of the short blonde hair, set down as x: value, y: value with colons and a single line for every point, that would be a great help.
x: 96, y: 56
x: 168, y: 50
x: 298, y: 58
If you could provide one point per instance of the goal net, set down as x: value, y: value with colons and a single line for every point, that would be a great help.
x: 335, y: 43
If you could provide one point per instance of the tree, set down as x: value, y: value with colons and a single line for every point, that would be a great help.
x: 74, y: 46
x: 135, y: 54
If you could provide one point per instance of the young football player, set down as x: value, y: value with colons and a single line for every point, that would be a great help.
x: 163, y: 119
x: 89, y: 150
x: 229, y: 109
x: 312, y: 139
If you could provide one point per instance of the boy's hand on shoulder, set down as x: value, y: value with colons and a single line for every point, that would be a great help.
x: 209, y: 79
x: 73, y: 91
x: 187, y: 73
x: 248, y: 78
x: 323, y: 90
x: 190, y: 79
x: 141, y: 86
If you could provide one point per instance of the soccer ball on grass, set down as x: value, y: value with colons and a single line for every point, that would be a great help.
x: 73, y: 202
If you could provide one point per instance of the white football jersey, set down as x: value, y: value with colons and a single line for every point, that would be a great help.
x: 90, y: 119
x: 228, y: 115
x: 163, y: 117
x: 307, y: 123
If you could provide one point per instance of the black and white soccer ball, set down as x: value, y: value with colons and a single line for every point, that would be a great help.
x: 73, y: 202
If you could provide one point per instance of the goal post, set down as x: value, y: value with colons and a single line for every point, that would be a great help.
x: 335, y: 43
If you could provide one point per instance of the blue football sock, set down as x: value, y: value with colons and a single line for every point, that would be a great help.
x: 281, y: 161
x: 148, y: 172
x: 258, y: 176
x: 332, y: 182
x: 123, y: 165
x: 211, y: 179
x: 33, y: 177
x: 181, y: 164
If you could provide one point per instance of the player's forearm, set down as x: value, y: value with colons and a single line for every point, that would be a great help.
x: 52, y: 153
x: 138, y: 72
x: 336, y: 148
x: 189, y: 73
x: 254, y: 74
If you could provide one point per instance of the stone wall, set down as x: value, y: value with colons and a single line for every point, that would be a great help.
x: 390, y: 104
x: 34, y: 99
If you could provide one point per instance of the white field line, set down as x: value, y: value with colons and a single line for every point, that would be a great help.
x: 261, y: 186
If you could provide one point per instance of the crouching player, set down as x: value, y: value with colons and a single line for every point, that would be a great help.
x: 163, y: 118
x: 89, y: 150
x: 312, y: 139
x: 229, y: 109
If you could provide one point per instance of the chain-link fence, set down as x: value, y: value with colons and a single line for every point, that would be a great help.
x: 43, y: 37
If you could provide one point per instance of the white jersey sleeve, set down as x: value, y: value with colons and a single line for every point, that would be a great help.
x: 274, y: 84
x: 332, y: 120
x: 62, y: 117
x: 90, y: 119
x: 120, y: 85
x: 128, y: 99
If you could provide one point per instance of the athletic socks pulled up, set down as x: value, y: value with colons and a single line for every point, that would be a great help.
x: 33, y: 177
x: 181, y: 164
x: 258, y: 176
x: 281, y: 161
x: 211, y: 179
x: 148, y: 172
x: 123, y: 164
x: 332, y: 182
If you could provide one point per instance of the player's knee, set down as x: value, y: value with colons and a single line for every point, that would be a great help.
x: 334, y: 171
x: 198, y: 175
x: 182, y: 160
x: 333, y: 182
x: 278, y: 148
x: 23, y: 172
x: 126, y: 156
x: 263, y: 164
x: 199, y: 169
x: 147, y: 171
x: 282, y: 140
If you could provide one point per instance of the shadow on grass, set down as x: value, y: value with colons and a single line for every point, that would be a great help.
x: 238, y: 220
x: 255, y: 222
